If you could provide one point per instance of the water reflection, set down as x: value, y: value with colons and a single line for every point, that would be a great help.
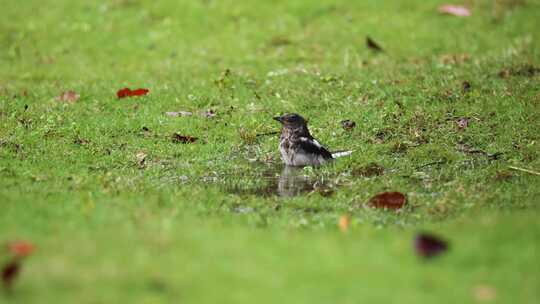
x: 291, y: 181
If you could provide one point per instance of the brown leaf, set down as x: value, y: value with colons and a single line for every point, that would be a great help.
x: 454, y: 10
x: 503, y: 176
x: 69, y: 97
x: 466, y: 86
x: 388, y: 200
x: 179, y: 113
x: 184, y: 139
x: 344, y: 223
x: 372, y: 45
x: 141, y: 158
x: 10, y: 272
x: 428, y: 245
x: 348, y: 124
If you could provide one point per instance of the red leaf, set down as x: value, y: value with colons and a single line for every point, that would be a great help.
x: 455, y: 10
x: 139, y: 92
x: 20, y: 249
x: 127, y: 92
x: 123, y: 93
x: 177, y: 138
x: 428, y: 245
x: 388, y: 200
x: 10, y: 272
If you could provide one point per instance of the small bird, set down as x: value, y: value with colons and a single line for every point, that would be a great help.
x: 298, y: 148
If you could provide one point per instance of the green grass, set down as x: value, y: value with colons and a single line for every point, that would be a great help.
x: 200, y: 223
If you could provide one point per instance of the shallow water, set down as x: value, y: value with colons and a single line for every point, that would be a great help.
x: 282, y: 181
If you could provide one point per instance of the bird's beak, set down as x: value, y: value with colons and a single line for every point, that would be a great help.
x: 278, y: 118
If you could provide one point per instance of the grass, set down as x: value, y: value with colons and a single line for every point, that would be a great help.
x: 201, y: 222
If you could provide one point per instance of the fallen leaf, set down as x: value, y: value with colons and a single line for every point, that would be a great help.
x: 179, y: 113
x: 462, y: 123
x: 69, y: 97
x: 466, y: 86
x: 348, y: 124
x: 388, y: 200
x: 455, y: 10
x: 505, y: 73
x: 503, y: 175
x: 485, y: 293
x: 10, y: 272
x: 141, y: 158
x: 344, y: 223
x: 177, y: 138
x: 428, y: 245
x: 127, y: 92
x: 20, y: 249
x: 372, y: 45
x: 80, y: 141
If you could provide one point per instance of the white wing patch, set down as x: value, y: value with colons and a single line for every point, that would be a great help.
x: 341, y: 154
x: 311, y: 141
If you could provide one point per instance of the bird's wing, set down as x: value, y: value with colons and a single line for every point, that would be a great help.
x: 312, y: 146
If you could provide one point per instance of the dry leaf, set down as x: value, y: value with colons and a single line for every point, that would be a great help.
x: 455, y: 10
x: 177, y: 138
x: 372, y: 45
x: 388, y: 200
x: 10, y: 272
x: 428, y: 245
x: 141, y: 158
x: 69, y: 97
x: 348, y: 124
x: 344, y: 222
x: 466, y: 86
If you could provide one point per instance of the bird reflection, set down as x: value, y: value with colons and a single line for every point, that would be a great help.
x: 292, y: 182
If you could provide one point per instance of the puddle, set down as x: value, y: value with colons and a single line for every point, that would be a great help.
x: 278, y: 181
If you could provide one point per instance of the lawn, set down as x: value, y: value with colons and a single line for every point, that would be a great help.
x: 126, y: 202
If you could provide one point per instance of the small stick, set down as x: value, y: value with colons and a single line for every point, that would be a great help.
x: 524, y: 170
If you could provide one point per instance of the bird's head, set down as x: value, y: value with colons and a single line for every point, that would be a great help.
x: 291, y: 120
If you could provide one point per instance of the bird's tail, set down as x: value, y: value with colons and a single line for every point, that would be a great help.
x: 341, y: 153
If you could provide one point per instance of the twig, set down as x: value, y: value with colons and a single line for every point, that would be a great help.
x: 524, y: 170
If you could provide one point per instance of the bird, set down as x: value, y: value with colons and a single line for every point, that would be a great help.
x: 298, y: 148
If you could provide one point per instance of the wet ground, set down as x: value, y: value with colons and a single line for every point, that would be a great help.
x: 278, y: 180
